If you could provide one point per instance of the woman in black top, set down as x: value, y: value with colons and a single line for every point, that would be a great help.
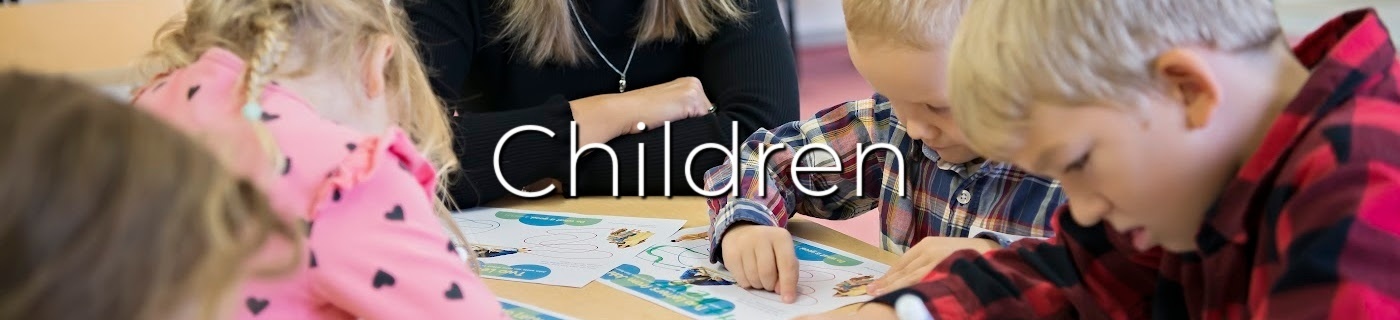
x: 702, y: 64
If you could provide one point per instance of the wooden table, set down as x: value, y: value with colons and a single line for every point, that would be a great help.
x: 94, y: 41
x: 597, y: 301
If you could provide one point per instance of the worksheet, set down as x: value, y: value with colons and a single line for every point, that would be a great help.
x: 677, y: 274
x: 520, y: 311
x: 556, y: 248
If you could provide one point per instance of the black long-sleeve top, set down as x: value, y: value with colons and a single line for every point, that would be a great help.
x: 746, y: 68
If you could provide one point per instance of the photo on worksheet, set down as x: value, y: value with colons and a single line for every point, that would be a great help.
x: 677, y: 274
x: 555, y: 248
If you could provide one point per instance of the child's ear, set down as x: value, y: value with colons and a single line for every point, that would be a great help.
x: 375, y: 65
x: 1191, y: 82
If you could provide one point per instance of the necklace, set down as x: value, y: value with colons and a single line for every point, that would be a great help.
x: 621, y: 83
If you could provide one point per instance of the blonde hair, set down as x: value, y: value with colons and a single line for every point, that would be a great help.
x: 545, y: 32
x: 326, y: 34
x: 109, y: 213
x: 1010, y: 54
x: 917, y: 24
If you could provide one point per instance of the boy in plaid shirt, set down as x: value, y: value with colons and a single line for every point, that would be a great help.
x: 953, y: 199
x: 1213, y: 173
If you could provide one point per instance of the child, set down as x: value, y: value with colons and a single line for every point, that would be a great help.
x: 106, y: 213
x: 325, y: 87
x: 954, y: 201
x: 1213, y: 173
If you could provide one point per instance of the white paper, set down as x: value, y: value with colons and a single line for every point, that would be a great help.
x: 656, y: 275
x: 520, y: 311
x: 556, y: 248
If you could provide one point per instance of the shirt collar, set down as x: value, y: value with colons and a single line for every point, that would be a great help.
x: 965, y: 170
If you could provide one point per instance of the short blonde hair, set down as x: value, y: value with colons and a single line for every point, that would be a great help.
x: 917, y: 24
x: 1013, y: 53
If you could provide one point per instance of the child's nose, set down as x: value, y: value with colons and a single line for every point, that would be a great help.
x: 932, y: 133
x: 923, y: 133
x: 915, y: 132
x: 1087, y: 208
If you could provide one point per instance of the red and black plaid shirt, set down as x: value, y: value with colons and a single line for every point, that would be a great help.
x: 1309, y: 228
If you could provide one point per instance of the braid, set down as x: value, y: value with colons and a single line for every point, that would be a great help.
x: 322, y: 33
x: 264, y: 59
x: 268, y: 51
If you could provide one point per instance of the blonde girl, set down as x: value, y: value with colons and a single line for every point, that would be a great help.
x: 325, y: 105
x: 106, y: 213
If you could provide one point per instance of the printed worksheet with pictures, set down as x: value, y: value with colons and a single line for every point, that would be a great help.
x: 521, y: 311
x: 555, y: 248
x: 677, y: 274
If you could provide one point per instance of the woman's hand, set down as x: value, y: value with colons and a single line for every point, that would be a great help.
x: 604, y: 117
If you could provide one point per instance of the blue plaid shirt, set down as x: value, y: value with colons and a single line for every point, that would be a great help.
x: 990, y: 199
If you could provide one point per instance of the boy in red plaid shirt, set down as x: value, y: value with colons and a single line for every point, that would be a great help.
x: 1212, y: 173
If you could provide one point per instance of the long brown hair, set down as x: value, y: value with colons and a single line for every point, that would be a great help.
x: 544, y: 31
x: 325, y: 34
x: 107, y: 213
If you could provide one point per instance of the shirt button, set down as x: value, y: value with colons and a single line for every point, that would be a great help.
x: 964, y: 197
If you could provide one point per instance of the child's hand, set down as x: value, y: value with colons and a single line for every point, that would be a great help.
x: 919, y: 260
x: 869, y: 311
x: 761, y: 257
x: 604, y: 117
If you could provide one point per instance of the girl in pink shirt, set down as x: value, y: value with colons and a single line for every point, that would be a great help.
x: 324, y: 105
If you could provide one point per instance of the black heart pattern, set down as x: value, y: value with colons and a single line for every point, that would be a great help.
x: 335, y: 195
x: 396, y: 214
x: 350, y: 146
x: 269, y: 117
x: 256, y: 305
x: 451, y: 247
x: 189, y: 95
x: 382, y: 279
x: 286, y: 166
x: 454, y: 293
x: 313, y: 259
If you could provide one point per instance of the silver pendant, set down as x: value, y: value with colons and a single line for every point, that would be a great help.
x: 622, y: 85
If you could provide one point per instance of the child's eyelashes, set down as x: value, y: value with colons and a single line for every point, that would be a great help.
x: 1078, y: 164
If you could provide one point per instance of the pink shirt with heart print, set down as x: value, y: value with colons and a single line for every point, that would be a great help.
x: 374, y: 247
